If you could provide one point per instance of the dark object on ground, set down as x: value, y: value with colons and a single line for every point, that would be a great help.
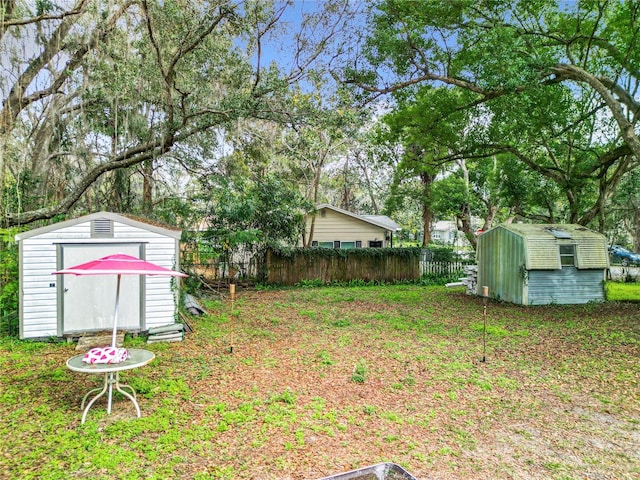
x: 381, y: 471
x: 192, y: 305
x: 624, y: 256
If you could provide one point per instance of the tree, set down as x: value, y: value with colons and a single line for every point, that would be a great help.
x: 110, y: 89
x: 426, y: 143
x: 319, y: 134
x: 250, y: 215
x: 624, y: 208
x: 557, y: 82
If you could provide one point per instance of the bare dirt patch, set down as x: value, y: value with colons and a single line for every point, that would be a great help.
x: 545, y: 404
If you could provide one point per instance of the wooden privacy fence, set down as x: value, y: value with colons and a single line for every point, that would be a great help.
x: 292, y: 266
x: 340, y: 266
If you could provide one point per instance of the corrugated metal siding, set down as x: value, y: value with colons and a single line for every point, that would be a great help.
x: 520, y: 263
x: 542, y: 252
x: 566, y: 286
x: 38, y: 300
x: 501, y: 254
x: 592, y: 253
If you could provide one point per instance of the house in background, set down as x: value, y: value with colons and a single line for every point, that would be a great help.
x: 69, y: 305
x: 541, y: 264
x: 446, y: 232
x: 337, y: 228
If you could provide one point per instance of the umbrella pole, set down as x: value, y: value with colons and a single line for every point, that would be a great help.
x: 113, y: 344
x: 110, y: 395
x: 115, y: 316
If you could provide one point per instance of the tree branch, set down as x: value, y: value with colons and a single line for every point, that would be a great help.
x: 15, y: 100
x: 130, y: 157
x: 578, y: 74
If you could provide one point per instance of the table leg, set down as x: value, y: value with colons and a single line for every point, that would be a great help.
x: 109, y: 382
x: 133, y: 392
x: 131, y: 396
x: 100, y: 389
x: 92, y: 401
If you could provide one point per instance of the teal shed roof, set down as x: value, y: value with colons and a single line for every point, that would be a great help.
x: 541, y: 241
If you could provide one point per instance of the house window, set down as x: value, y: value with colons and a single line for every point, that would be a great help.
x: 567, y: 255
x: 325, y: 244
x: 314, y: 243
x: 375, y: 243
x: 358, y: 243
x: 348, y: 245
x: 336, y: 244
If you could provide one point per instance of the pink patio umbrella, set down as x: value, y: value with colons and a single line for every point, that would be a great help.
x: 119, y: 264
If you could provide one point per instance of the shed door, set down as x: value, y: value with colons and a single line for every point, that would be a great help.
x: 88, y: 301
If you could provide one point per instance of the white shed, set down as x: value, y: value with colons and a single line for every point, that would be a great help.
x: 69, y: 305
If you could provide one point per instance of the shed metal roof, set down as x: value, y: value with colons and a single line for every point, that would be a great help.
x: 549, y: 232
x: 591, y: 247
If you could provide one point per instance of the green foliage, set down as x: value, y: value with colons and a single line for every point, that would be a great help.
x: 287, y: 396
x: 359, y: 374
x: 254, y: 214
x: 318, y: 252
x: 310, y: 283
x: 43, y: 7
x: 441, y: 253
x: 8, y: 282
x: 525, y: 98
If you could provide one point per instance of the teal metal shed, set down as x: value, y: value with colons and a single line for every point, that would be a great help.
x: 541, y: 264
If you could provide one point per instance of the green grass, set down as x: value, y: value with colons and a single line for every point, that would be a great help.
x: 344, y: 378
x: 623, y: 292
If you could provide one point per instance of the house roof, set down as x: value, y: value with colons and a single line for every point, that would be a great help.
x: 383, y: 220
x: 444, y: 225
x: 377, y: 220
x: 167, y: 231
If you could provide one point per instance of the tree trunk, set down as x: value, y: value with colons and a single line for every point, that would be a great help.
x: 147, y: 187
x: 307, y: 243
x: 636, y: 225
x: 367, y: 180
x: 492, y: 211
x: 427, y: 218
x: 467, y: 229
x: 427, y: 215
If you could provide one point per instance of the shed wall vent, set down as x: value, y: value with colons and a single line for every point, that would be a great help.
x: 102, y: 228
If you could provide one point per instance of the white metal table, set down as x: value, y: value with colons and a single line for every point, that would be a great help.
x: 111, y: 371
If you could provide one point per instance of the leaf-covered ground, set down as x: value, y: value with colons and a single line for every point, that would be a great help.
x: 324, y: 380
